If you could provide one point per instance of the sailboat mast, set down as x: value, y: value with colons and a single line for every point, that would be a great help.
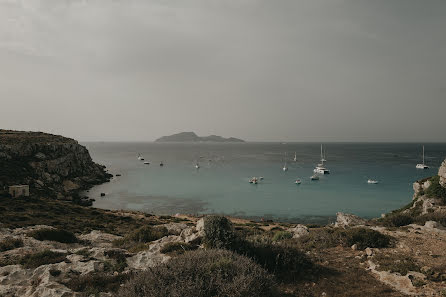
x: 423, y: 154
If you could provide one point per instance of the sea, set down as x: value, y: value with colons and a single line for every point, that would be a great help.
x: 221, y: 184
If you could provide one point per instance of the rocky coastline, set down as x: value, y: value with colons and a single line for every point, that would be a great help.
x: 51, y: 247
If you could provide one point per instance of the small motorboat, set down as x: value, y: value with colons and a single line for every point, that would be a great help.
x: 139, y: 157
x: 372, y: 181
x: 253, y: 180
x: 146, y: 162
x: 261, y: 178
x: 314, y: 177
x: 161, y: 164
x: 298, y: 181
x: 197, y: 166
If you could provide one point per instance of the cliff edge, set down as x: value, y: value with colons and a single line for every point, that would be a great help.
x: 51, y: 165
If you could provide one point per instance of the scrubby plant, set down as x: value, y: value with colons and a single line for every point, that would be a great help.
x: 364, y: 238
x: 202, y: 273
x: 140, y: 236
x: 120, y: 260
x: 219, y: 233
x: 435, y: 190
x: 177, y: 248
x: 398, y: 220
x: 58, y: 235
x: 281, y: 235
x: 94, y: 283
x: 396, y: 263
x: 10, y: 243
x: 42, y: 258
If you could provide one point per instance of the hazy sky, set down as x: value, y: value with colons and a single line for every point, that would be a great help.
x: 297, y: 70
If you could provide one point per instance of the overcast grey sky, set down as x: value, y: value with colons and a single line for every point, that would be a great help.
x: 297, y: 70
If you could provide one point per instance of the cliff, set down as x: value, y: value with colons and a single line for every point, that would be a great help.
x: 192, y: 137
x: 51, y: 165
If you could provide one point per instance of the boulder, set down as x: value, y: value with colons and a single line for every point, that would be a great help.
x: 369, y: 252
x: 298, y: 231
x: 175, y: 228
x: 200, y: 227
x: 348, y: 220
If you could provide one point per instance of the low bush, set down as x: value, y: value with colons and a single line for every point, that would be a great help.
x: 177, y: 248
x: 219, y: 233
x: 435, y: 190
x: 396, y: 263
x: 140, y: 236
x: 94, y: 283
x: 41, y: 258
x: 285, y: 260
x: 10, y: 243
x: 58, y: 235
x: 119, y: 258
x: 55, y: 272
x: 202, y: 273
x: 364, y: 238
x: 397, y: 220
x: 281, y: 235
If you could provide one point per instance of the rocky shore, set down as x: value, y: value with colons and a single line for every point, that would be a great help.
x: 51, y: 247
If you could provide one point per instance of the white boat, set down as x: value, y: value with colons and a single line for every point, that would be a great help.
x: 285, y: 167
x: 139, y: 157
x: 146, y: 162
x: 320, y: 168
x: 253, y: 180
x: 314, y: 177
x: 372, y: 181
x: 422, y: 166
x: 295, y: 157
x: 298, y: 181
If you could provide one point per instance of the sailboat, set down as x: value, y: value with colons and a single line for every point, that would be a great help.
x: 320, y: 168
x: 295, y: 157
x: 422, y: 165
x: 285, y: 167
x: 323, y: 155
x: 197, y: 166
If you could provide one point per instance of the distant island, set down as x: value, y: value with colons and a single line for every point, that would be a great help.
x: 192, y: 137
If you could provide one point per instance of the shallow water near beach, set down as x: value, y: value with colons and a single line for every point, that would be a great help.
x: 221, y: 184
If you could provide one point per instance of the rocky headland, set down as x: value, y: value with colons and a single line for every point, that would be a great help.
x: 50, y: 247
x: 51, y: 165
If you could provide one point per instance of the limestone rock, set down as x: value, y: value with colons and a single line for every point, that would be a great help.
x: 299, y: 230
x: 344, y: 220
x: 369, y: 252
x: 100, y: 239
x: 175, y: 228
x: 442, y: 174
x: 200, y: 226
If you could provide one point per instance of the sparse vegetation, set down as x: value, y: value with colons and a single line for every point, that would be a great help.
x: 435, y: 190
x: 140, y: 236
x: 396, y: 263
x: 54, y: 235
x: 201, y: 273
x: 94, y: 283
x: 281, y: 235
x: 364, y: 238
x: 41, y: 258
x: 10, y: 243
x: 177, y: 248
x: 398, y: 220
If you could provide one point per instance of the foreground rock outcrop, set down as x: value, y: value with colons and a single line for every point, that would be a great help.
x: 52, y: 165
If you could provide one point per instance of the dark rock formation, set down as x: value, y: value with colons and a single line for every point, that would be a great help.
x: 192, y: 137
x: 52, y: 165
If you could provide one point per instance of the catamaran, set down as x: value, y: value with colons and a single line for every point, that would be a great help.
x: 320, y: 168
x: 422, y: 166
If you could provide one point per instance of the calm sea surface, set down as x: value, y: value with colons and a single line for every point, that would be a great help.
x: 221, y: 184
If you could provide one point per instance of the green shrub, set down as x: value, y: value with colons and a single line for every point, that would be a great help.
x: 201, y: 273
x: 10, y: 243
x: 58, y: 235
x: 364, y: 238
x: 396, y: 263
x: 140, y: 236
x: 94, y: 283
x: 41, y: 258
x: 177, y: 248
x: 284, y: 260
x: 281, y: 235
x: 435, y: 190
x: 397, y: 220
x: 219, y: 233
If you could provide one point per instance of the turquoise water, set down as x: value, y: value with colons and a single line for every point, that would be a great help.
x: 221, y: 184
